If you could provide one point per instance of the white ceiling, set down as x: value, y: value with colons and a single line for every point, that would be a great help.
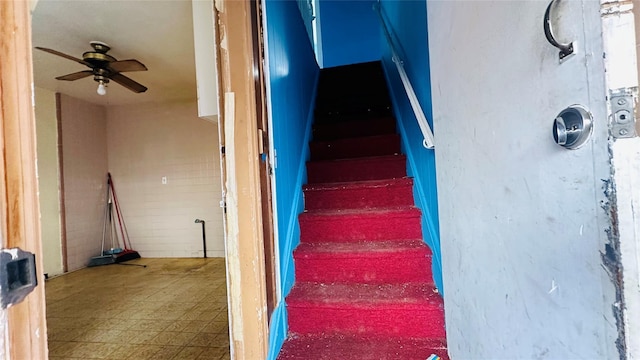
x: 157, y: 33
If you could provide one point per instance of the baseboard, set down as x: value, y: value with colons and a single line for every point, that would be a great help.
x: 181, y: 254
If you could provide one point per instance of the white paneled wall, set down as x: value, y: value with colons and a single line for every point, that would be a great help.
x: 147, y: 143
x: 84, y: 153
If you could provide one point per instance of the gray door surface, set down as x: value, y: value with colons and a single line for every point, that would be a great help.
x: 523, y: 221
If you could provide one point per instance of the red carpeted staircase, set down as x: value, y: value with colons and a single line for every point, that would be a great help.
x: 364, y: 287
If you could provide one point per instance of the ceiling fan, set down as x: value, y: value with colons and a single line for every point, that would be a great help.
x: 104, y: 67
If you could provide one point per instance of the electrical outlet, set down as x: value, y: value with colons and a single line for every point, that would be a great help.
x: 164, y: 180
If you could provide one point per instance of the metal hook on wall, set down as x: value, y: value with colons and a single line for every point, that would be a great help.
x: 565, y: 49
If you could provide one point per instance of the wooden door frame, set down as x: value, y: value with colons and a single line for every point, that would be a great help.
x: 246, y: 278
x: 20, y: 220
x: 619, y: 30
x: 265, y: 158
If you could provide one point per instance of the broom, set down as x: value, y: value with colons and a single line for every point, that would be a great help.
x: 127, y: 253
x: 104, y: 258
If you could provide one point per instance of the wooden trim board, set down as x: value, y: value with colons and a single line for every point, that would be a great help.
x: 27, y: 331
x: 244, y: 232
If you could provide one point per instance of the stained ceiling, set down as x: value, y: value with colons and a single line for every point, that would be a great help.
x: 157, y: 33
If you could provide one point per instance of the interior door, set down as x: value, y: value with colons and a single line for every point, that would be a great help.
x: 530, y: 265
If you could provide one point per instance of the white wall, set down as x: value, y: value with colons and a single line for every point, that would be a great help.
x: 48, y: 180
x: 149, y: 142
x: 84, y: 156
x: 522, y: 228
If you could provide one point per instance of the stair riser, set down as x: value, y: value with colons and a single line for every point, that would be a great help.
x: 300, y: 347
x: 341, y: 130
x: 354, y: 148
x: 356, y: 170
x: 357, y: 228
x: 385, y: 267
x: 356, y: 198
x: 424, y: 322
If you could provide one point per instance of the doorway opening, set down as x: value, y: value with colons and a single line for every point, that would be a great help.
x: 166, y: 164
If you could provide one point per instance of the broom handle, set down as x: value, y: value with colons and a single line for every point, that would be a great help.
x: 114, y: 233
x: 106, y: 214
x: 125, y: 234
x: 115, y: 203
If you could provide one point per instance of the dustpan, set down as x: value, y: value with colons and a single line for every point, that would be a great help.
x: 101, y: 260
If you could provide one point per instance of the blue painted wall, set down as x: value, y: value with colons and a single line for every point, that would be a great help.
x: 407, y: 21
x: 293, y: 76
x: 350, y: 32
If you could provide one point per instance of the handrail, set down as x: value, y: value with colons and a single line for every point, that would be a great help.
x: 413, y: 99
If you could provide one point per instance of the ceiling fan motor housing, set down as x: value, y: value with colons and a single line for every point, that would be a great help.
x: 98, y: 58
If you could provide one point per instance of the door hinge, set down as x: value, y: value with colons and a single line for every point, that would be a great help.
x: 223, y: 201
x: 623, y: 122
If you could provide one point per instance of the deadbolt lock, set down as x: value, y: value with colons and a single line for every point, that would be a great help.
x: 572, y: 127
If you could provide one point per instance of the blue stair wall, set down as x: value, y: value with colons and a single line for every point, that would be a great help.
x: 407, y: 21
x: 291, y: 88
x: 350, y: 32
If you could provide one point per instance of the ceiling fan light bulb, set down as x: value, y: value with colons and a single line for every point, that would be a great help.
x: 102, y: 90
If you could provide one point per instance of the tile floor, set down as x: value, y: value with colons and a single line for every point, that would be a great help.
x: 172, y: 309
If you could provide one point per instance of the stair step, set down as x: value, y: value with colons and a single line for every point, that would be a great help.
x: 357, y: 347
x: 369, y: 168
x: 355, y: 147
x: 390, y: 261
x: 332, y: 130
x: 359, y: 225
x: 377, y: 310
x: 359, y: 194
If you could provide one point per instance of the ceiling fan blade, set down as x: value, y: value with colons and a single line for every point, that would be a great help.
x: 54, y: 52
x: 75, y: 75
x: 128, y: 83
x: 127, y: 65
